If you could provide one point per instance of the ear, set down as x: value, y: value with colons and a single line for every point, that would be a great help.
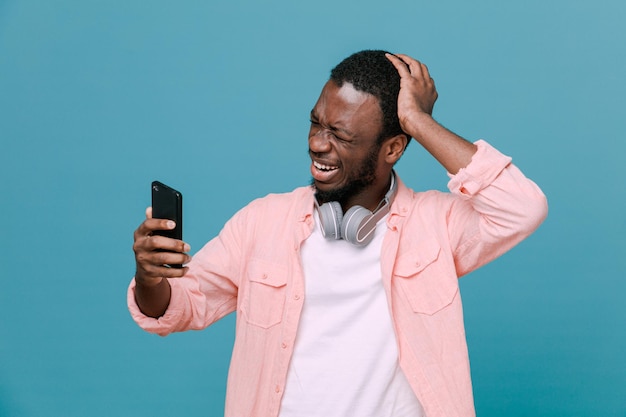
x: 393, y: 148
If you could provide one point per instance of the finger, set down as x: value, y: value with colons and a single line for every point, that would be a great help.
x: 425, y: 71
x: 161, y: 271
x: 149, y: 213
x: 147, y: 229
x: 148, y: 261
x: 415, y: 67
x: 400, y: 65
x: 150, y: 225
x: 169, y: 258
x: 174, y: 272
x: 156, y: 242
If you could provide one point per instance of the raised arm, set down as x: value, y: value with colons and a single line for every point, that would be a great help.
x: 415, y: 105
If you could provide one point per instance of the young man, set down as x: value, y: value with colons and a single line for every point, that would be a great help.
x: 347, y: 291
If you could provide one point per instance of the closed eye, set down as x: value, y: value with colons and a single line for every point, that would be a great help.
x: 332, y: 131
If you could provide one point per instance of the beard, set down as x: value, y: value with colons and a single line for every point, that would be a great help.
x: 357, y: 181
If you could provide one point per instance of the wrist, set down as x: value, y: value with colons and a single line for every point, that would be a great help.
x: 148, y: 282
x: 418, y: 124
x: 152, y: 296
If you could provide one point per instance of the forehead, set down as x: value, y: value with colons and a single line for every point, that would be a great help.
x: 348, y: 107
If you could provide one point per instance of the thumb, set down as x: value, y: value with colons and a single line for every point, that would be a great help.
x: 149, y: 213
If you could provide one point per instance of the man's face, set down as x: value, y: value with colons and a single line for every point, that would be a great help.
x: 345, y: 125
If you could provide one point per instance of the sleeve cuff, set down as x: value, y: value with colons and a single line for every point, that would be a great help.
x: 485, y: 166
x: 165, y: 324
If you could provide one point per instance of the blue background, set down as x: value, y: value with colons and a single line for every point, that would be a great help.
x: 98, y: 98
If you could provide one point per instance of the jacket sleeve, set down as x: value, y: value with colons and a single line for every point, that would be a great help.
x: 498, y: 208
x: 206, y: 293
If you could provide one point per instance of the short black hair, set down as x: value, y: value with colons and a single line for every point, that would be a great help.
x: 371, y: 72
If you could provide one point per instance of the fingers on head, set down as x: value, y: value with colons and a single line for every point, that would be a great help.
x: 424, y: 69
x: 408, y: 61
x: 400, y: 64
x: 415, y: 67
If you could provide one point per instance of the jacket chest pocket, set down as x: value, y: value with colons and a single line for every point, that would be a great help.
x: 264, y: 296
x: 426, y: 282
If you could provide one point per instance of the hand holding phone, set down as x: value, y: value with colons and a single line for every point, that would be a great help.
x: 159, y: 250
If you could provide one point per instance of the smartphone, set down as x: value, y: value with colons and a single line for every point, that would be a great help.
x: 167, y: 203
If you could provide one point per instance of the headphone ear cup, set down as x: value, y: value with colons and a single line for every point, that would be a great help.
x: 354, y: 218
x: 331, y: 216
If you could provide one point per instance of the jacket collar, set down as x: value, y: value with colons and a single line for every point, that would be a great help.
x: 402, y: 202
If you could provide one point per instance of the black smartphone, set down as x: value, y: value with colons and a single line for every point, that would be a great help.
x: 167, y: 203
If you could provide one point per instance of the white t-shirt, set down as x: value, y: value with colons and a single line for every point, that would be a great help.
x: 345, y: 360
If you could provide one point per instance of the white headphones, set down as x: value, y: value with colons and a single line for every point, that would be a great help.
x: 358, y: 223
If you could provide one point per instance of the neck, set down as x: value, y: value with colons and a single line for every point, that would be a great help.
x: 372, y: 197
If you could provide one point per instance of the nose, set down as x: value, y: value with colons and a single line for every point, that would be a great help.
x: 319, y: 142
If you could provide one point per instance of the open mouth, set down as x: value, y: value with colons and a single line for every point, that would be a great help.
x: 324, y: 174
x: 324, y: 168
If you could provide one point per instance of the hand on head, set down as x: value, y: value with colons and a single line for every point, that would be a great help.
x: 417, y: 88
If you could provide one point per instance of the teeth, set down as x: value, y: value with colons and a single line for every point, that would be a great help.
x: 323, y: 167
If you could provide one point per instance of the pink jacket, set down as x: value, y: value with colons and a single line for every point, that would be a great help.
x: 253, y: 267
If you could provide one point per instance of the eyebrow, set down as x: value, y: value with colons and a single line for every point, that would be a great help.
x: 332, y: 127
